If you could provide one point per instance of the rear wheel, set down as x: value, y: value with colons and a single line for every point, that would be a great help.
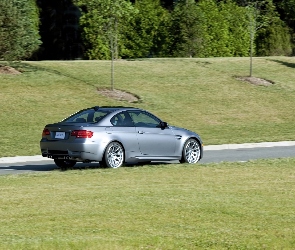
x: 114, y: 155
x: 64, y: 164
x: 191, y: 152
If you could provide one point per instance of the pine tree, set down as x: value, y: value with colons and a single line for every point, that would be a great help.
x: 19, y: 37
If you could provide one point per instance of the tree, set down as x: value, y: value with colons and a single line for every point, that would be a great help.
x: 60, y: 31
x: 274, y: 40
x: 215, y: 28
x: 19, y: 22
x: 187, y: 30
x: 102, y: 24
x: 9, y: 29
x: 147, y: 33
x: 258, y: 16
x: 288, y: 16
x: 237, y: 22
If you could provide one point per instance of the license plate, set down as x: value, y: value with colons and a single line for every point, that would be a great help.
x: 60, y: 135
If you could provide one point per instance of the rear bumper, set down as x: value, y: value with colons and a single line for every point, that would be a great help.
x: 79, y: 151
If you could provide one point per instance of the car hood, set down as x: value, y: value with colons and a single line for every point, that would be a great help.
x: 174, y: 128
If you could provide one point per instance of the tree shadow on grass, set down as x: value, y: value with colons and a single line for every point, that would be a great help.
x: 287, y: 64
x: 26, y: 67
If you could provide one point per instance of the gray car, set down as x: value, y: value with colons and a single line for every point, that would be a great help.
x: 113, y: 136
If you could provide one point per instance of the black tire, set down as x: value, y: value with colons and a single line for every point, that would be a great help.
x: 191, y: 152
x: 64, y: 164
x: 114, y: 155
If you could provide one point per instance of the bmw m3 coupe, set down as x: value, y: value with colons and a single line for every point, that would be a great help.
x: 113, y: 136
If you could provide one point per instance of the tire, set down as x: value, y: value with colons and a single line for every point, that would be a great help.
x: 64, y: 164
x: 191, y: 152
x: 114, y: 155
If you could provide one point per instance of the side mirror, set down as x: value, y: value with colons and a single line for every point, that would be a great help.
x: 163, y: 125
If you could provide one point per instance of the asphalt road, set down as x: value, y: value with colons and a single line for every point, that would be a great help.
x: 211, y: 155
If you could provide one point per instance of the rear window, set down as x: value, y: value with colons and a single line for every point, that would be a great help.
x: 88, y: 115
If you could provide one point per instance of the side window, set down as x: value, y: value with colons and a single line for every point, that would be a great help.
x: 81, y: 118
x: 122, y: 120
x: 144, y: 119
x: 97, y: 116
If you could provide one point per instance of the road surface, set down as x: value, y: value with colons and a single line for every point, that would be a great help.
x: 212, y: 154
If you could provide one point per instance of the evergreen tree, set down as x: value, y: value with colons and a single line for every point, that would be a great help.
x: 238, y: 36
x: 147, y: 33
x: 19, y: 37
x: 9, y: 30
x: 287, y: 14
x: 216, y: 30
x: 187, y: 30
x: 274, y: 40
x: 102, y: 22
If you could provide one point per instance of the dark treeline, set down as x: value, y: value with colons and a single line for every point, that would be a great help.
x: 100, y: 29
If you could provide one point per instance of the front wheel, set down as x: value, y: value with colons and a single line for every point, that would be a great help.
x: 64, y: 164
x: 191, y: 152
x: 114, y: 155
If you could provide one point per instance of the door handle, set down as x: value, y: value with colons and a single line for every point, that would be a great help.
x: 140, y: 132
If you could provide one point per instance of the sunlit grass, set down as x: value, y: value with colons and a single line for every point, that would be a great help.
x: 202, y: 95
x: 215, y: 206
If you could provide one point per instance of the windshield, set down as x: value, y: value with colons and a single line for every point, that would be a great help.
x: 88, y: 115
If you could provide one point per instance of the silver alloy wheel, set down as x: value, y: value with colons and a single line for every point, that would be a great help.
x: 191, y: 151
x: 114, y: 155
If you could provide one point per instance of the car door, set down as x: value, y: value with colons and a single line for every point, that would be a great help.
x: 124, y: 131
x: 153, y: 140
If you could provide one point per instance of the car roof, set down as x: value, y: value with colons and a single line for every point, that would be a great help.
x: 113, y: 108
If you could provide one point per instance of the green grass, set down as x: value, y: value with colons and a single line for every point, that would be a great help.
x: 202, y: 95
x: 205, y: 206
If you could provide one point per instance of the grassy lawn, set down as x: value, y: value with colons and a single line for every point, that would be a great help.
x: 199, y: 94
x: 211, y: 206
x: 173, y: 206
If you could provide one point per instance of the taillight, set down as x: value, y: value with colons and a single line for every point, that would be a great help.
x: 82, y: 133
x: 45, y: 132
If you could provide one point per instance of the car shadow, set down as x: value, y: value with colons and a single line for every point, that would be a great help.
x: 25, y: 168
x: 19, y: 168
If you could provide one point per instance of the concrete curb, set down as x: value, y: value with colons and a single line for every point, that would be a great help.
x: 250, y: 145
x: 17, y: 159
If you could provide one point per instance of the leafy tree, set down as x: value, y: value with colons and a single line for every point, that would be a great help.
x: 259, y: 16
x: 29, y: 17
x: 187, y: 29
x: 216, y: 30
x: 19, y: 37
x: 147, y: 33
x: 274, y: 40
x: 288, y: 16
x: 102, y: 22
x: 238, y: 36
x: 289, y: 7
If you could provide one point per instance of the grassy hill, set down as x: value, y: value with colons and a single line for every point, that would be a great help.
x: 202, y: 95
x: 159, y: 206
